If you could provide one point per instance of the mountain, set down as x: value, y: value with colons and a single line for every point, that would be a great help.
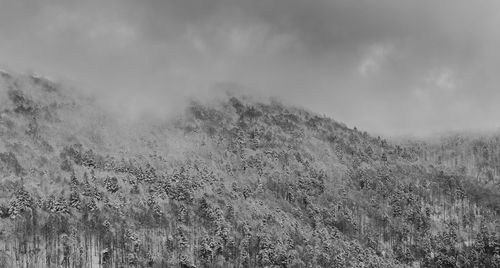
x: 232, y: 182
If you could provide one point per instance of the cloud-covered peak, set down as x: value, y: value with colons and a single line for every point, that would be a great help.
x: 363, y: 62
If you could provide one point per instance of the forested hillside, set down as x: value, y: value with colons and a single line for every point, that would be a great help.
x: 475, y: 155
x: 232, y: 182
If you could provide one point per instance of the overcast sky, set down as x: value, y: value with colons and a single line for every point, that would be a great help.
x: 386, y: 66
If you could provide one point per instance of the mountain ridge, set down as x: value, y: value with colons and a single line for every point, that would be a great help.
x: 229, y: 183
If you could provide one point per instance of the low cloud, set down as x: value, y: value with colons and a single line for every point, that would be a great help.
x: 366, y: 63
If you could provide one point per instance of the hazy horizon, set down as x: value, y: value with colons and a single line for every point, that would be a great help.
x: 390, y: 67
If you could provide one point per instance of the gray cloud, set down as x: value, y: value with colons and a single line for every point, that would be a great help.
x: 388, y: 66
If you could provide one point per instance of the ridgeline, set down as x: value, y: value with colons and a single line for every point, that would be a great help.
x: 233, y: 182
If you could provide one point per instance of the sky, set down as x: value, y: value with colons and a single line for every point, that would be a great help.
x: 390, y: 67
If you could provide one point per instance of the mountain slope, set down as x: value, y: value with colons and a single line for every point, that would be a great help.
x: 232, y: 182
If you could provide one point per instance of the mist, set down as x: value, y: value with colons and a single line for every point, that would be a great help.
x: 391, y: 67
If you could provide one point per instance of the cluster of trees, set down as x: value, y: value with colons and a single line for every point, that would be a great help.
x: 477, y: 156
x: 278, y: 186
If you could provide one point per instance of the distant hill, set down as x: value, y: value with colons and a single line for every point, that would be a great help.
x: 232, y: 182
